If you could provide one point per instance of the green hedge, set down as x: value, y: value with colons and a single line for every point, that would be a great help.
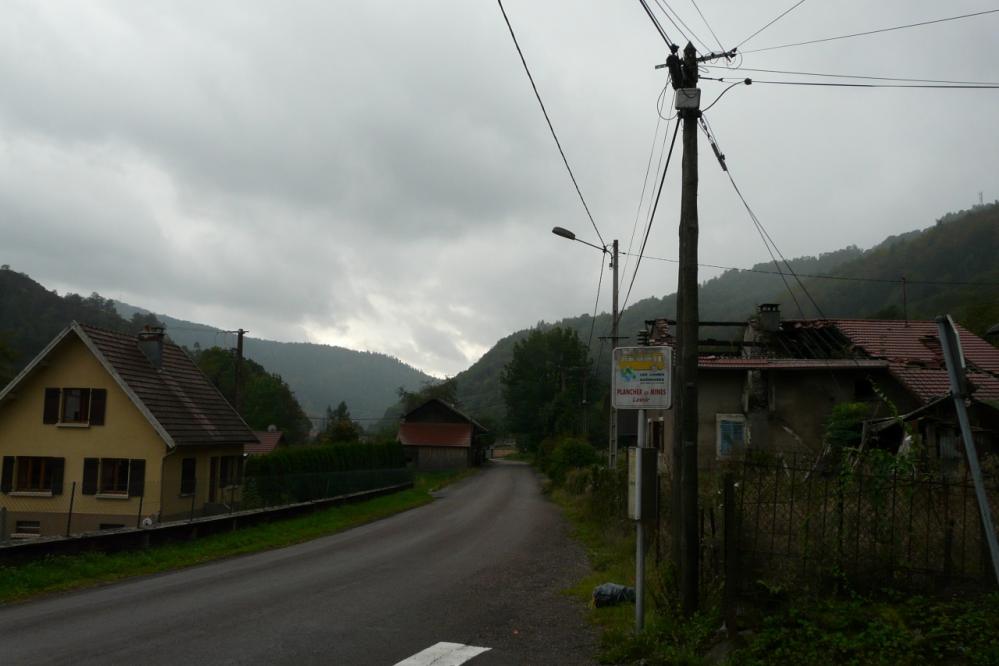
x: 323, y: 459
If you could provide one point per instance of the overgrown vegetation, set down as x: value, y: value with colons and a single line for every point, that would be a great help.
x: 53, y: 574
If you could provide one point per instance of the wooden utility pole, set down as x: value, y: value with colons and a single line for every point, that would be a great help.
x: 236, y: 396
x: 685, y: 502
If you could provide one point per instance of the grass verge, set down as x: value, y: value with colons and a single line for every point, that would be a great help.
x: 69, y: 572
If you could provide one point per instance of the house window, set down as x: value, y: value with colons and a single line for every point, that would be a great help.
x: 119, y: 477
x: 730, y: 434
x: 32, y: 527
x: 75, y: 405
x: 188, y: 481
x: 37, y: 474
x: 114, y: 476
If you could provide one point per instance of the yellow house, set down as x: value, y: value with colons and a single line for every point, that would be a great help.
x: 106, y: 430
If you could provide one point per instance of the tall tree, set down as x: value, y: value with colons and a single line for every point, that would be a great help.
x: 265, y: 400
x: 446, y: 390
x: 340, y: 428
x: 544, y: 386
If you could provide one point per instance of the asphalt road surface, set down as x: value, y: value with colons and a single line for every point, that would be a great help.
x: 484, y: 565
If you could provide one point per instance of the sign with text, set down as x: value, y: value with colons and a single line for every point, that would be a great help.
x: 642, y: 377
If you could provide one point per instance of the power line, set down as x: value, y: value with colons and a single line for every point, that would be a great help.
x: 848, y: 278
x: 701, y: 14
x: 872, y: 32
x: 549, y: 121
x: 593, y: 319
x: 664, y: 6
x: 779, y: 17
x: 737, y: 83
x: 854, y: 76
x: 645, y: 182
x: 648, y: 228
x: 824, y: 84
x: 655, y: 22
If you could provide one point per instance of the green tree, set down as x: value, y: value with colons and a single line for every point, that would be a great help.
x: 340, y: 428
x: 266, y: 399
x: 446, y: 390
x: 6, y: 362
x: 544, y: 384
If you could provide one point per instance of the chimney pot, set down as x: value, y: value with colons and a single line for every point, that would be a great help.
x: 150, y: 341
x: 769, y: 314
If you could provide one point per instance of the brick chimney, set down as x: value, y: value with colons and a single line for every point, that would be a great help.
x: 150, y: 341
x: 769, y: 314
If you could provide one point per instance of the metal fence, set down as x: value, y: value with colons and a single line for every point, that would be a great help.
x: 67, y: 510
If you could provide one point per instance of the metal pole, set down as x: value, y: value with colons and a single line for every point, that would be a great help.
x: 194, y: 494
x: 640, y: 531
x: 3, y: 524
x: 72, y: 496
x: 612, y: 447
x: 138, y: 516
x: 236, y: 397
x: 951, y: 344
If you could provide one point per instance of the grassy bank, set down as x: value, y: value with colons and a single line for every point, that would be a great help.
x: 61, y: 573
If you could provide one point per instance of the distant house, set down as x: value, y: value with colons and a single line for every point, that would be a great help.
x: 774, y: 388
x: 437, y: 436
x: 267, y: 442
x: 113, y: 423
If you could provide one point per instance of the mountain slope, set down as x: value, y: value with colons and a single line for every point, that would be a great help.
x: 320, y: 375
x: 960, y: 247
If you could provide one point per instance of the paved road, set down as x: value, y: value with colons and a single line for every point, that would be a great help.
x: 483, y: 565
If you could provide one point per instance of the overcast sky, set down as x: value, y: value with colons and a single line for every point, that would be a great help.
x: 379, y: 175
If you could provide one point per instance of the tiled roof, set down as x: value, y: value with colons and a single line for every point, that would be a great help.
x: 732, y: 363
x: 178, y: 395
x: 913, y: 353
x: 436, y: 434
x: 266, y: 442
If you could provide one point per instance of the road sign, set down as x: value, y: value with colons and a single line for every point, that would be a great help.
x: 641, y: 378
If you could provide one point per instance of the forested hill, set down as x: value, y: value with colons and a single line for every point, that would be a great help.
x: 31, y: 315
x: 320, y: 375
x: 961, y: 247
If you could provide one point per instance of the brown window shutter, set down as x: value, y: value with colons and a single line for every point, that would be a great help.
x: 136, y: 478
x: 90, y: 470
x: 58, y: 467
x: 85, y: 404
x: 51, y: 412
x: 7, y: 480
x: 98, y: 405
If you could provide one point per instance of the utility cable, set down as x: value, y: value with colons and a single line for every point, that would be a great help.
x: 872, y: 32
x: 645, y: 184
x: 664, y: 6
x: 648, y: 228
x: 738, y: 83
x: 825, y: 84
x: 549, y: 121
x: 655, y: 22
x: 701, y: 14
x: 593, y: 319
x: 853, y: 76
x: 779, y: 17
x: 846, y: 278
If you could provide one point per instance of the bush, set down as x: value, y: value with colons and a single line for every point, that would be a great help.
x: 320, y: 459
x: 568, y: 453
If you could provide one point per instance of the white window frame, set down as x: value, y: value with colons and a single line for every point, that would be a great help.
x: 737, y: 418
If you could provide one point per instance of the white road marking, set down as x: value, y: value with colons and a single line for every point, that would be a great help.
x: 444, y: 654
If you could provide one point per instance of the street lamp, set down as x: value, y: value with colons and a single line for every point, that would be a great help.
x: 565, y: 233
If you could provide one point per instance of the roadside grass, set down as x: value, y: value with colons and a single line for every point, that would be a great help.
x: 877, y: 627
x: 68, y: 572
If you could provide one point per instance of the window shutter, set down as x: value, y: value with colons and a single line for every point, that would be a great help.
x: 90, y: 469
x: 7, y: 480
x: 136, y: 478
x: 51, y: 412
x: 98, y: 404
x: 58, y: 467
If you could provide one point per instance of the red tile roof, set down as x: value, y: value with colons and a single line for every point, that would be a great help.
x: 178, y: 395
x: 436, y: 434
x: 913, y: 353
x: 266, y: 442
